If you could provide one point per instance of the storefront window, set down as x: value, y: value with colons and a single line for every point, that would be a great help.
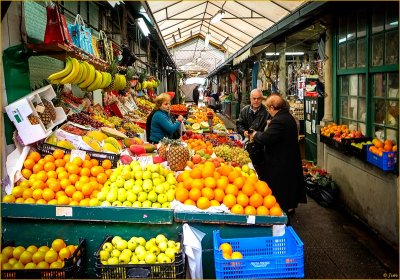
x: 392, y: 44
x: 377, y: 50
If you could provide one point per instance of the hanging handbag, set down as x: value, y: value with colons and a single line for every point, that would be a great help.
x: 81, y: 35
x: 95, y: 48
x: 105, y: 47
x: 56, y: 26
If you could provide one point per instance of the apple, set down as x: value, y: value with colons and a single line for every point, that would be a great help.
x: 150, y: 258
x: 127, y: 251
x: 160, y: 257
x: 134, y: 259
x: 171, y: 244
x: 115, y: 239
x: 115, y: 253
x: 104, y: 255
x: 131, y: 196
x: 134, y: 163
x: 159, y: 189
x: 138, y: 174
x: 146, y: 204
x: 152, y: 196
x: 122, y: 195
x: 157, y: 181
x: 112, y: 261
x: 154, y: 249
x: 141, y: 253
x: 142, y: 196
x: 178, y: 246
x: 113, y: 186
x: 146, y: 174
x: 137, y: 189
x: 113, y: 177
x: 126, y: 175
x: 142, y: 262
x: 149, y: 244
x: 129, y: 184
x: 116, y: 203
x: 171, y: 195
x: 121, y: 244
x: 141, y: 241
x: 155, y: 168
x: 162, y: 178
x: 120, y: 182
x: 132, y: 244
x: 105, y: 203
x: 112, y: 196
x: 147, y: 185
x: 102, y: 195
x: 139, y: 182
x: 171, y: 180
x: 156, y: 205
x: 126, y: 203
x: 137, y: 204
x: 170, y: 253
x: 162, y: 198
x: 163, y: 246
x: 125, y: 258
x: 166, y: 205
x: 107, y: 247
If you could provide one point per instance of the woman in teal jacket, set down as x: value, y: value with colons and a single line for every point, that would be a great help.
x: 162, y: 124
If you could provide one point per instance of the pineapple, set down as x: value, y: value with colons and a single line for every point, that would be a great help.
x: 162, y: 151
x: 177, y: 155
x: 129, y: 75
x: 112, y: 70
x: 50, y: 109
x: 33, y: 119
x: 43, y: 113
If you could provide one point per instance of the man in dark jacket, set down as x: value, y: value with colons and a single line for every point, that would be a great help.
x: 253, y: 117
x: 196, y: 94
x: 282, y: 169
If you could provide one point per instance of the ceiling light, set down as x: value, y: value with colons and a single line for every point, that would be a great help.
x: 215, y: 19
x: 143, y: 27
x: 207, y: 41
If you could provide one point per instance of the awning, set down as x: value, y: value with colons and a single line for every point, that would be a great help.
x: 250, y: 52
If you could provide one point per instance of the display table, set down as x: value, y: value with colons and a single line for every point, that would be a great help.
x: 39, y: 224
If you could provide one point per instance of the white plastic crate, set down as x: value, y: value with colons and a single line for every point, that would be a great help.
x: 19, y: 111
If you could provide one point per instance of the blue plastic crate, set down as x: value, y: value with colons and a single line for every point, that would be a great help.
x: 263, y: 257
x: 386, y: 162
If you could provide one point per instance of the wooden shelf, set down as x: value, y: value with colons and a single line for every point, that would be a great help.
x: 61, y: 51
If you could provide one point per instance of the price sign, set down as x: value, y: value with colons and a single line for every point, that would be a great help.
x: 78, y: 153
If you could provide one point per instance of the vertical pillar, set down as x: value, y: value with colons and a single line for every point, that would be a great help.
x: 282, y: 70
x: 124, y: 25
x: 328, y: 100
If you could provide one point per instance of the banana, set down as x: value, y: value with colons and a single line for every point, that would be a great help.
x: 79, y: 76
x: 109, y: 79
x: 116, y: 82
x: 84, y: 73
x: 95, y: 85
x: 104, y: 80
x: 123, y: 82
x: 61, y: 74
x: 74, y: 72
x: 89, y: 78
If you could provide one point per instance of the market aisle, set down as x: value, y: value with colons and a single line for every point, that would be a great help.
x: 337, y: 246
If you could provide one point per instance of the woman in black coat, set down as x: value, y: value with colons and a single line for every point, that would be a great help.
x: 283, y: 169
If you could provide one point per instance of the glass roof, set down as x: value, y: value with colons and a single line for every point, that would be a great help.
x: 185, y: 24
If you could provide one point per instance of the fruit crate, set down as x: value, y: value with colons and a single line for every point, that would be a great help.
x: 74, y: 267
x: 386, y: 162
x: 348, y: 141
x: 46, y: 148
x: 358, y: 153
x: 174, y: 270
x: 263, y: 257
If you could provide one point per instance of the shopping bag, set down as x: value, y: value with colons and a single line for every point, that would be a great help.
x: 95, y: 49
x: 81, y: 35
x: 56, y: 26
x: 105, y: 47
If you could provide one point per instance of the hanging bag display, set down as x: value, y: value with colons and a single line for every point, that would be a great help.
x: 105, y: 47
x: 95, y: 48
x: 81, y: 35
x: 56, y: 26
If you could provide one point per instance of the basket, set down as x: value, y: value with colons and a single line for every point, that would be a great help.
x: 263, y: 257
x: 174, y: 270
x: 74, y: 267
x: 46, y: 148
x: 386, y: 162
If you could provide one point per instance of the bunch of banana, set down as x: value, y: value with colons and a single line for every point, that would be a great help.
x: 138, y: 86
x: 118, y: 83
x: 68, y: 74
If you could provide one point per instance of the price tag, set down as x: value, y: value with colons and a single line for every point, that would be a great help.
x: 78, y: 153
x: 251, y: 219
x: 40, y: 108
x: 63, y: 211
x: 145, y: 160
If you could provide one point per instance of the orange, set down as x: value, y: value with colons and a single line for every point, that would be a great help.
x: 222, y: 182
x: 41, y: 161
x: 8, y: 198
x: 64, y: 253
x: 252, y: 179
x: 233, y: 175
x: 24, y: 184
x: 38, y: 256
x: 42, y: 265
x: 48, y: 194
x: 26, y: 173
x: 242, y: 199
x: 35, y: 156
x: 42, y: 176
x: 269, y: 201
x: 73, y: 169
x: 63, y: 175
x: 108, y: 172
x: 30, y: 200
x: 60, y: 162
x: 38, y: 184
x: 181, y: 194
x: 67, y: 157
x: 239, y: 182
x: 256, y: 200
x: 49, y: 166
x: 106, y: 164
x: 64, y: 183
x: 229, y: 200
x: 27, y: 193
x: 194, y: 194
x: 102, y: 178
x: 17, y: 191
x: 217, y: 175
x: 189, y: 202
x: 60, y: 169
x: 231, y: 189
x: 179, y: 179
x: 262, y: 188
x: 208, y: 171
x: 29, y: 163
x: 208, y: 193
x: 58, y: 154
x: 77, y: 161
x: 41, y: 201
x: 210, y: 182
x: 262, y: 210
x: 37, y: 194
x: 54, y: 185
x: 78, y: 196
x: 203, y: 203
x: 225, y: 170
x: 188, y: 183
x: 71, y: 249
x: 214, y: 203
x: 219, y: 195
x: 196, y: 173
x: 52, y: 174
x: 197, y: 184
x: 190, y: 164
x: 94, y: 193
x: 73, y: 178
x: 248, y: 189
x: 69, y: 190
x: 74, y: 203
x: 250, y: 210
x: 49, y: 158
x: 59, y: 193
x: 87, y: 164
x: 52, y: 202
x: 87, y: 189
x: 58, y: 244
x: 20, y: 200
x: 275, y: 211
x: 226, y: 248
x: 94, y: 162
x: 63, y: 200
x: 37, y: 167
x: 85, y: 171
x: 96, y: 170
x: 237, y: 209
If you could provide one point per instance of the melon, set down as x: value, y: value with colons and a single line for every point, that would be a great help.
x: 137, y: 149
x: 113, y: 132
x: 149, y: 148
x: 204, y: 125
x: 196, y: 126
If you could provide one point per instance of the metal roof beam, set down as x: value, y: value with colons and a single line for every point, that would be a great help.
x: 165, y: 8
x: 254, y: 11
x: 280, y: 6
x: 183, y: 20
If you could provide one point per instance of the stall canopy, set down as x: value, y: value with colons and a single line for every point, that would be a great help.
x: 184, y: 26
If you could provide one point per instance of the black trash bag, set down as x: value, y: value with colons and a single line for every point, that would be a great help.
x: 323, y: 191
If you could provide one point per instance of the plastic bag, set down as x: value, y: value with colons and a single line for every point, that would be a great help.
x: 324, y: 192
x: 56, y: 26
x: 81, y: 35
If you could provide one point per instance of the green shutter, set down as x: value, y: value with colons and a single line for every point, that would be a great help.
x: 35, y: 21
x: 40, y: 67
